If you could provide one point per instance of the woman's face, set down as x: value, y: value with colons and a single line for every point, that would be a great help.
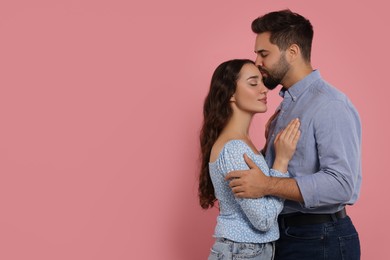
x: 251, y: 94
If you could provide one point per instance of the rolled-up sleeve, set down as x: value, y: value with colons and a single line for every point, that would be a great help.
x: 337, y: 136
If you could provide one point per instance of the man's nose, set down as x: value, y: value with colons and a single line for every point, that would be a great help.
x: 259, y: 61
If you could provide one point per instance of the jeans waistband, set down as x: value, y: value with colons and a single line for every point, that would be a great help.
x: 241, y: 244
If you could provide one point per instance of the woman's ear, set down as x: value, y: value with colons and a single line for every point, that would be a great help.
x: 232, y: 99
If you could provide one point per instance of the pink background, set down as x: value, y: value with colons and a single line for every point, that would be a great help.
x: 100, y: 110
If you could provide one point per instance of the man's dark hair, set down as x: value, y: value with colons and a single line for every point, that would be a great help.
x: 286, y: 28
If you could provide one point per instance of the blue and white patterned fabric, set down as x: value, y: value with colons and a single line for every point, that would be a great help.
x: 243, y: 220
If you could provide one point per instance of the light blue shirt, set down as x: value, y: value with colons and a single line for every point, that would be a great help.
x: 327, y: 161
x: 243, y: 220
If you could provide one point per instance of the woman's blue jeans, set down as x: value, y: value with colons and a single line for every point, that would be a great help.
x: 225, y: 249
x: 336, y: 240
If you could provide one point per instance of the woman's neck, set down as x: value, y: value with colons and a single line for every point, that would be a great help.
x: 238, y: 126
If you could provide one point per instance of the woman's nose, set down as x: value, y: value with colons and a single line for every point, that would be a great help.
x: 263, y: 89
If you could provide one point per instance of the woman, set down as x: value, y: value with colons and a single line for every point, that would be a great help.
x: 245, y: 227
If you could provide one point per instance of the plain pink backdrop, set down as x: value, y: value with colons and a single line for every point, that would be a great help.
x: 100, y: 110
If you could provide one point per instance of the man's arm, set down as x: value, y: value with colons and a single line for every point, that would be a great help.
x: 254, y: 184
x: 337, y: 180
x: 337, y: 135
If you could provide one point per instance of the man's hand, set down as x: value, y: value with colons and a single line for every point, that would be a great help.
x: 250, y: 183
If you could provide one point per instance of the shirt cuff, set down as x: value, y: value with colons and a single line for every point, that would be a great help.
x: 275, y: 173
x: 307, y: 186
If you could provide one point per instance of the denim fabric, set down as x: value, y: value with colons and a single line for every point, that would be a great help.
x: 329, y: 241
x: 224, y: 249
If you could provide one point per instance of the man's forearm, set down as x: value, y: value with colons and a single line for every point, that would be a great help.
x: 286, y: 188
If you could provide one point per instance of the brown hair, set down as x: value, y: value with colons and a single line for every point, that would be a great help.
x: 286, y: 28
x: 216, y: 113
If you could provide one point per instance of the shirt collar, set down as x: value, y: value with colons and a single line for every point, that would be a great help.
x: 298, y: 88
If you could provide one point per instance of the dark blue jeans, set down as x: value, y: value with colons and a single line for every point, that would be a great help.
x: 337, y: 240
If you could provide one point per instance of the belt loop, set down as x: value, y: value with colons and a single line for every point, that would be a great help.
x: 281, y: 222
x: 334, y: 218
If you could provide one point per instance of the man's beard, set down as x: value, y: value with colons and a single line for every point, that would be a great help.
x: 272, y: 79
x: 271, y: 82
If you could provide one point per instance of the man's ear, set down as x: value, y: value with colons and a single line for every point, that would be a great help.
x: 293, y: 51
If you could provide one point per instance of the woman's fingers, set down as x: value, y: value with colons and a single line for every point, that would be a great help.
x: 291, y: 130
x: 296, y: 138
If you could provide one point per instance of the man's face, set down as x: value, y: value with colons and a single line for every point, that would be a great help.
x: 271, y: 61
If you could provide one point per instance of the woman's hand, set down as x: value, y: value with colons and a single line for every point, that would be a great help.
x: 285, y: 144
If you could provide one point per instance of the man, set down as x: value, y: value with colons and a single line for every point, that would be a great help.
x: 326, y: 167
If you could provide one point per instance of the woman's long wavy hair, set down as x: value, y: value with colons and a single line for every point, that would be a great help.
x: 216, y: 113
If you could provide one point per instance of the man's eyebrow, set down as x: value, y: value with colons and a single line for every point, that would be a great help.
x: 260, y: 51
